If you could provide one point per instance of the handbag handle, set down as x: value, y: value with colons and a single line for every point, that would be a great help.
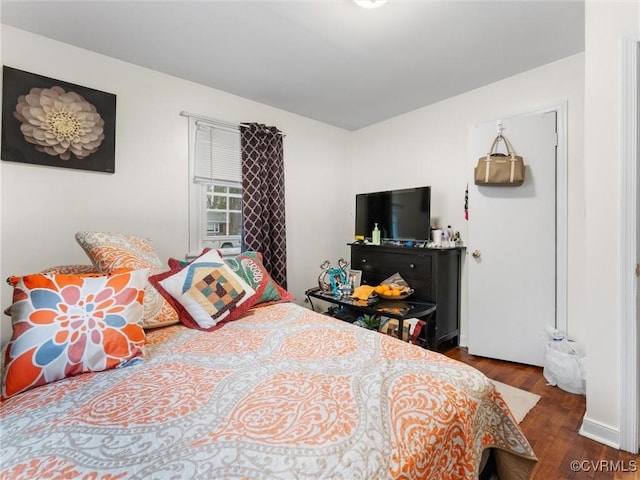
x: 495, y: 143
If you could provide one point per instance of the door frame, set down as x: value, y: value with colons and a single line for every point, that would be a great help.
x: 629, y: 183
x: 562, y: 208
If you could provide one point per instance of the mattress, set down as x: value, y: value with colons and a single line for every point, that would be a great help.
x: 281, y: 393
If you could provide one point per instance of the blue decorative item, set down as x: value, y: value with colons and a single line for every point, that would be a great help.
x: 338, y: 277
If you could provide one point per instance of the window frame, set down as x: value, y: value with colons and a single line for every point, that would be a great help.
x: 198, y: 196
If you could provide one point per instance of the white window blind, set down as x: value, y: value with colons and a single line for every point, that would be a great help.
x: 215, y: 184
x: 217, y: 153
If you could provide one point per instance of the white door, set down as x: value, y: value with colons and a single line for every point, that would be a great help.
x: 512, y: 245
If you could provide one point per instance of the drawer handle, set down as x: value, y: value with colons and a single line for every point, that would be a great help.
x: 364, y: 260
x: 412, y: 265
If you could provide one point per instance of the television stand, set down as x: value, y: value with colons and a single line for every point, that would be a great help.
x: 398, y: 309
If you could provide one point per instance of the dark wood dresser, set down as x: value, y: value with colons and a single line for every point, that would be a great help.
x: 433, y: 273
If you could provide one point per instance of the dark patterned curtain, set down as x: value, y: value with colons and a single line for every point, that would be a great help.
x: 263, y: 214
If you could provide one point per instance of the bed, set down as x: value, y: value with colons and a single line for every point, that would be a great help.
x: 132, y: 369
x: 280, y: 393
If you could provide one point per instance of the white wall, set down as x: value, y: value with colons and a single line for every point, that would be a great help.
x: 606, y: 22
x: 429, y: 146
x: 43, y: 207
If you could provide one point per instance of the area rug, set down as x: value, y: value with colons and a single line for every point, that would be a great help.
x: 520, y: 402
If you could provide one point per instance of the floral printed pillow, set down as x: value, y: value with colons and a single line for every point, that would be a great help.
x: 64, y: 325
x: 71, y: 269
x: 66, y: 269
x: 110, y: 251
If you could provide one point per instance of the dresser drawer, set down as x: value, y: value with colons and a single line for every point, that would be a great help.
x: 415, y: 269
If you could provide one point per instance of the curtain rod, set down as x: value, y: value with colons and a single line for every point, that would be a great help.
x: 221, y: 122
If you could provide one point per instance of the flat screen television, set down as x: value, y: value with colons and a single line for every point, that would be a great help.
x: 402, y: 215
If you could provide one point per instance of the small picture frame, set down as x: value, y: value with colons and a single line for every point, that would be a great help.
x: 355, y: 277
x: 337, y: 277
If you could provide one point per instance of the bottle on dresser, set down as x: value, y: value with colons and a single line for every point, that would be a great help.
x: 375, y: 235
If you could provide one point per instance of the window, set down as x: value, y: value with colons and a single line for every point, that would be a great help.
x: 224, y: 211
x: 215, y: 185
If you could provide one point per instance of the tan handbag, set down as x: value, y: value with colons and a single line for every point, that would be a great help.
x: 499, y: 169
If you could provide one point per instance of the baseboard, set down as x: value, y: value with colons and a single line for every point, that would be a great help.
x: 462, y: 342
x: 600, y: 433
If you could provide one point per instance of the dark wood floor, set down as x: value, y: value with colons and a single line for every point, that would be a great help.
x: 552, y: 426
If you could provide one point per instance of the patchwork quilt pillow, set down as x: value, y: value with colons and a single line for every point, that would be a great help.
x: 110, y: 251
x: 206, y: 292
x: 249, y: 266
x: 64, y: 325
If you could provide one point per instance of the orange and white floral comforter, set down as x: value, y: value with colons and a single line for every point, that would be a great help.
x: 282, y: 393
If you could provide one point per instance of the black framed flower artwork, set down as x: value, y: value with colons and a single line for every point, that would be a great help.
x: 55, y: 123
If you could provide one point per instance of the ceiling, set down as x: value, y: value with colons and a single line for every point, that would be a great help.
x: 328, y: 60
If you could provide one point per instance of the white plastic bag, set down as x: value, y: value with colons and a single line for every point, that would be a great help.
x: 564, y: 365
